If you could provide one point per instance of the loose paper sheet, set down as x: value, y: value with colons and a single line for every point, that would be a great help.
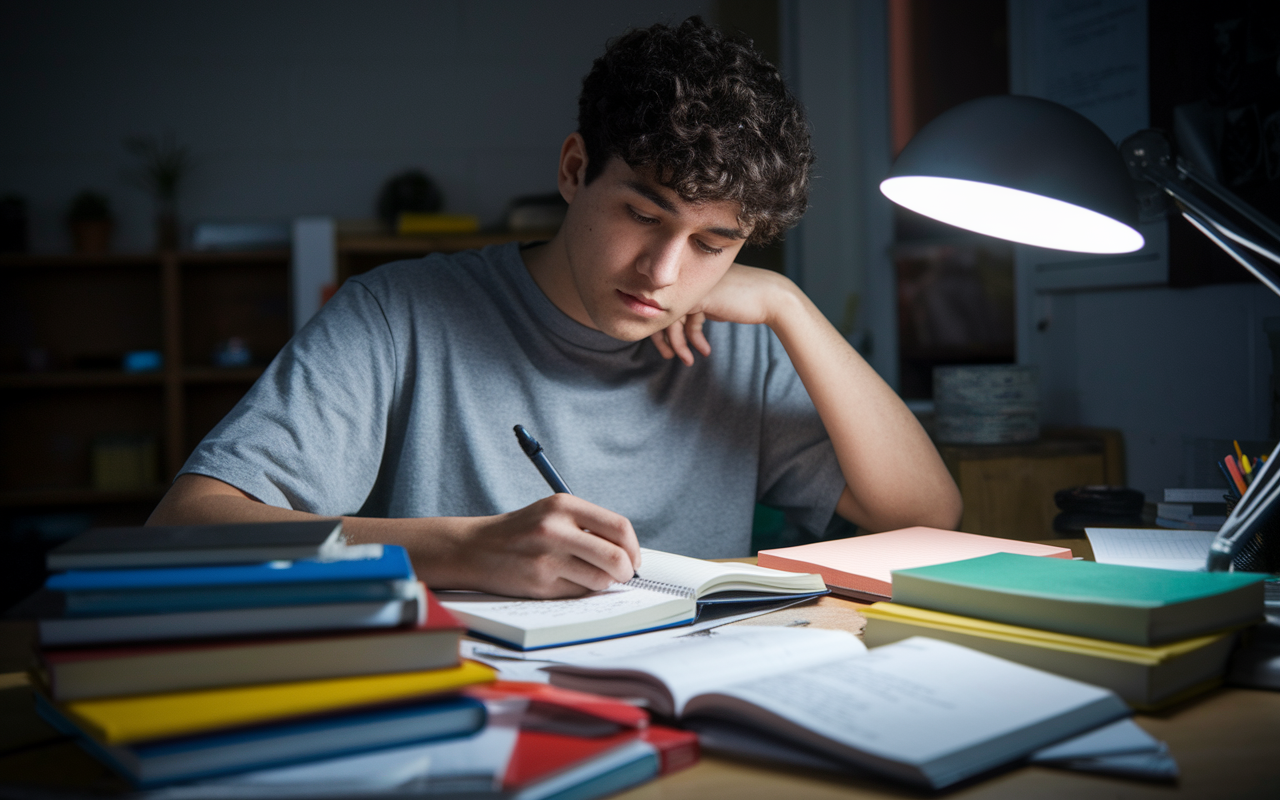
x: 1163, y: 548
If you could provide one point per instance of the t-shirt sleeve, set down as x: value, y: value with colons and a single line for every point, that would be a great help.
x: 798, y: 470
x: 311, y: 432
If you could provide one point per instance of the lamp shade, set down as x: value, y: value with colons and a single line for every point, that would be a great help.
x: 1023, y: 169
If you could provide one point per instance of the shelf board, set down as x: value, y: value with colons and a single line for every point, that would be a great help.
x: 78, y: 260
x: 434, y: 243
x: 198, y: 375
x: 79, y: 379
x: 78, y: 496
x: 274, y: 257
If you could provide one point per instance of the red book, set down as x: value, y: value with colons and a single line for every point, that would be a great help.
x: 541, y: 756
x: 83, y: 673
x: 546, y: 700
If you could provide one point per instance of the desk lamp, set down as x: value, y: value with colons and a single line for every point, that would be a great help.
x: 1035, y: 172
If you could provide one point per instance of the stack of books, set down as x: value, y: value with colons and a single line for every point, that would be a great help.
x: 180, y: 654
x: 1153, y: 636
x: 1192, y: 509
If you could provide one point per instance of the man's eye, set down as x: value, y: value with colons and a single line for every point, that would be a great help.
x: 708, y: 249
x: 641, y: 218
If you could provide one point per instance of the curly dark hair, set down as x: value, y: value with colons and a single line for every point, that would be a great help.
x: 708, y: 114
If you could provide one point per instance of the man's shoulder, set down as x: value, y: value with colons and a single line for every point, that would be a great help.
x: 436, y: 269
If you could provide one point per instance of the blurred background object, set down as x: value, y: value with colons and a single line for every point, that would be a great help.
x: 90, y: 222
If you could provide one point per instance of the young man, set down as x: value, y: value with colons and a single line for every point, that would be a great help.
x: 394, y: 406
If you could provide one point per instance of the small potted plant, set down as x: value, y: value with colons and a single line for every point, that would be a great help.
x: 163, y: 165
x: 90, y: 222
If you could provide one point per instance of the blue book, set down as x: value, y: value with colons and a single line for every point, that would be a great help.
x: 101, y: 592
x: 151, y: 764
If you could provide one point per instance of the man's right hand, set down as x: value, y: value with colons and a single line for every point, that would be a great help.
x: 560, y: 546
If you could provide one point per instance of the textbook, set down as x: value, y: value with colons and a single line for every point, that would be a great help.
x: 921, y: 710
x: 106, y: 592
x: 160, y: 546
x: 170, y: 761
x: 68, y: 631
x: 1118, y: 603
x: 668, y: 592
x: 141, y: 718
x: 78, y: 674
x: 1144, y: 677
x: 861, y: 566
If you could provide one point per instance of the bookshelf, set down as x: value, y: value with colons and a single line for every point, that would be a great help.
x: 70, y: 319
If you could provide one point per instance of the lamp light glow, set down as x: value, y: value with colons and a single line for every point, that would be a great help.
x: 1012, y: 214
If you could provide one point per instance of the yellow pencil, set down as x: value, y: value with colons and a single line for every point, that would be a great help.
x: 1239, y: 455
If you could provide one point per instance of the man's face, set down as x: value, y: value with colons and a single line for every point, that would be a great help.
x: 638, y: 257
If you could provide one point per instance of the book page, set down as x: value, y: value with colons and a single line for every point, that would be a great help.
x: 708, y: 576
x: 1165, y: 548
x: 615, y: 601
x: 923, y: 701
x: 690, y: 665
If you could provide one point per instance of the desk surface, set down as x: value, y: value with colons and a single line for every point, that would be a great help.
x: 1226, y: 742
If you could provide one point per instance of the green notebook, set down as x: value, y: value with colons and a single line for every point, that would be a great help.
x: 1135, y: 605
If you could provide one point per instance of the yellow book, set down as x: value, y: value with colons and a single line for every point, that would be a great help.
x: 119, y: 720
x: 410, y: 222
x: 1145, y: 677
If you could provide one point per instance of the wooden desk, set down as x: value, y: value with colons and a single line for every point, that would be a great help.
x: 1227, y: 744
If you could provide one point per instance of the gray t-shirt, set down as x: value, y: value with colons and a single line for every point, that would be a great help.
x: 399, y: 397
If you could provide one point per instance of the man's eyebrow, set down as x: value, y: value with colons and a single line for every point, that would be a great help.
x: 666, y: 205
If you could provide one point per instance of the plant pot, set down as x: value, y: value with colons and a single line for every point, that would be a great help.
x: 91, y: 236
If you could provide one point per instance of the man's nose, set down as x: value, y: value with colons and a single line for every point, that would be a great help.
x: 660, y: 262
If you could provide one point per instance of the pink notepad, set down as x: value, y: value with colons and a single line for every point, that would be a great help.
x: 860, y: 566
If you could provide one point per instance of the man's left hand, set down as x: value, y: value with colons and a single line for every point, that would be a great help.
x: 745, y: 294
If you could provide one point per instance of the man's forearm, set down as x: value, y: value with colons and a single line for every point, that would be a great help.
x: 198, y: 500
x: 894, y: 474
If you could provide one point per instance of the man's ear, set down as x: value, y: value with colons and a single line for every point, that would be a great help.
x: 573, y: 166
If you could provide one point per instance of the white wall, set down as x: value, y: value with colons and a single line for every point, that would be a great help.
x: 295, y: 107
x: 1163, y: 365
x: 835, y: 57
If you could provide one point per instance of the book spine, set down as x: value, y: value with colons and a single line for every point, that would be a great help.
x: 677, y: 749
x: 659, y: 586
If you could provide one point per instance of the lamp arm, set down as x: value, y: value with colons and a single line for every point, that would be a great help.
x: 1188, y: 171
x: 1212, y: 231
x: 1210, y: 221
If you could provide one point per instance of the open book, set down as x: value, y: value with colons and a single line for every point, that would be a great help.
x: 920, y: 710
x: 668, y: 592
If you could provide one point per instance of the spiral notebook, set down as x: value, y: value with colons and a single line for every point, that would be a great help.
x: 668, y: 592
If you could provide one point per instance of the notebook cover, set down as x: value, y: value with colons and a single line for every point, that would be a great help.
x: 393, y: 565
x: 293, y: 539
x: 864, y: 563
x: 1085, y: 581
x: 437, y: 618
x: 145, y: 717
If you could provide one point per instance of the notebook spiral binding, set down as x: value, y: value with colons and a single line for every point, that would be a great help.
x: 659, y: 586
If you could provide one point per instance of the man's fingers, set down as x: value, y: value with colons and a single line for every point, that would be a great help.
x: 611, y: 527
x: 693, y: 330
x: 675, y: 335
x: 660, y: 341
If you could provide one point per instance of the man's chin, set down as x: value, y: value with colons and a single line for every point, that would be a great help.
x: 631, y: 330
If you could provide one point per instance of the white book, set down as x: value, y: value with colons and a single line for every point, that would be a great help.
x: 667, y: 592
x: 920, y: 710
x: 1194, y: 495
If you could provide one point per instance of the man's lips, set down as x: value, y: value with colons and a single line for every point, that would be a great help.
x: 640, y: 305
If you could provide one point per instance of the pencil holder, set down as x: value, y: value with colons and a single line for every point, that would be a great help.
x: 988, y: 404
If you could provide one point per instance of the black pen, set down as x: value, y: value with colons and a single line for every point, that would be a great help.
x: 535, y: 453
